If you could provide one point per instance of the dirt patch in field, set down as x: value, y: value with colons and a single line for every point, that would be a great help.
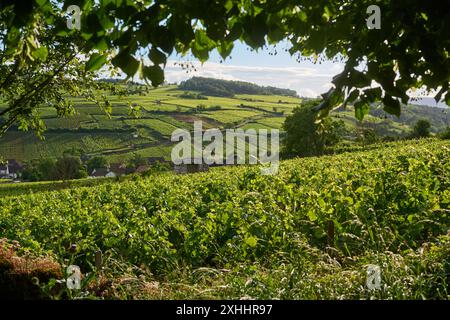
x: 207, y: 122
x: 186, y: 118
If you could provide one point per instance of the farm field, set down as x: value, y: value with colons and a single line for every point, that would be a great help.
x: 164, y: 109
x: 224, y: 159
x: 27, y: 146
x: 307, y: 233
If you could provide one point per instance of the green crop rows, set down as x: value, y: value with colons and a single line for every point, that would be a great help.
x: 170, y: 105
x: 307, y: 232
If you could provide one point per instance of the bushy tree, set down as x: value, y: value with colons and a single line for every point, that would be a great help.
x: 446, y: 133
x: 39, y: 170
x: 158, y: 167
x: 334, y: 131
x: 97, y: 163
x: 421, y: 129
x: 69, y: 167
x: 366, y: 136
x: 31, y: 173
x: 47, y: 71
x: 307, y: 137
x: 409, y: 51
x: 200, y: 108
x: 136, y: 161
x: 46, y: 168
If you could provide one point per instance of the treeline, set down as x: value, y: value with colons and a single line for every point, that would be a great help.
x: 439, y: 118
x: 67, y: 167
x: 74, y: 164
x: 189, y: 95
x: 120, y: 87
x: 304, y: 136
x: 226, y: 88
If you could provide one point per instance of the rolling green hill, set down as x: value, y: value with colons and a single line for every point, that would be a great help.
x: 164, y: 109
x: 226, y: 88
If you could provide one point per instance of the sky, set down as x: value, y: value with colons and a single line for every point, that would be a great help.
x: 281, y: 70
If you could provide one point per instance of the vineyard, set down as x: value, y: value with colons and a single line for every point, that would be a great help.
x: 122, y: 134
x: 307, y: 233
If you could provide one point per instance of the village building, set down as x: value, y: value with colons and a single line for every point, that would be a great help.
x: 10, y: 169
x: 191, y: 167
x: 102, y: 173
x: 119, y: 169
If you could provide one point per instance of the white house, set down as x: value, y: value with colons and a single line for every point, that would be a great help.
x: 11, y: 169
x: 4, y: 170
x: 110, y: 174
x: 102, y: 172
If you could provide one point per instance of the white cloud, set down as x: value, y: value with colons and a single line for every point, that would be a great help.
x: 308, y: 93
x: 307, y: 81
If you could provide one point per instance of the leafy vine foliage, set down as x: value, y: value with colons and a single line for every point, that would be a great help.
x: 411, y: 50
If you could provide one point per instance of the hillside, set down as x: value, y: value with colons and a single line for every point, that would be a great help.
x: 164, y: 109
x: 226, y: 88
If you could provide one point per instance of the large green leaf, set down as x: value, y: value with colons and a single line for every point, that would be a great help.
x: 255, y: 30
x: 373, y: 94
x: 40, y: 53
x: 96, y: 61
x: 362, y: 108
x: 155, y: 74
x: 202, y: 45
x: 157, y: 56
x: 225, y: 49
x: 391, y: 105
x: 126, y: 62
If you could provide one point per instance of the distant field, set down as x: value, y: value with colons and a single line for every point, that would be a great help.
x: 163, y: 110
x: 164, y: 107
x: 192, y: 103
x: 26, y: 146
x: 266, y: 98
x: 230, y: 117
x: 162, y: 127
x: 157, y: 151
x: 253, y: 125
x: 274, y: 122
